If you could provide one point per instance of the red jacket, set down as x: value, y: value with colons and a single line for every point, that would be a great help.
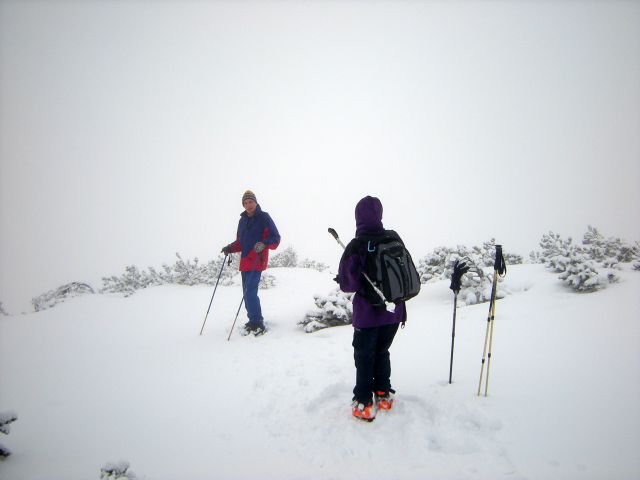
x: 251, y: 230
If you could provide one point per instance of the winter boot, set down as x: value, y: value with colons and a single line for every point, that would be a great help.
x: 362, y: 411
x: 384, y: 400
x: 254, y: 328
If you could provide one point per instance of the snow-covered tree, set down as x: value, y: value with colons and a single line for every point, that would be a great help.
x: 581, y: 274
x: 285, y: 258
x: 535, y: 257
x: 182, y: 272
x: 595, y: 245
x: 432, y: 265
x: 54, y: 297
x: 267, y: 281
x: 117, y: 471
x: 579, y: 265
x: 307, y: 263
x: 556, y: 251
x: 331, y: 310
x: 6, y: 418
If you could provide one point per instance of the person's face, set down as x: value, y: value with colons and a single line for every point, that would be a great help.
x: 249, y: 206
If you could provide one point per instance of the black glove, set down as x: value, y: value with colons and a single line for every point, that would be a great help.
x: 336, y: 279
x: 259, y: 247
x: 226, y: 249
x: 459, y: 269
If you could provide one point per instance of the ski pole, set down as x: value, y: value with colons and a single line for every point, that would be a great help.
x: 244, y: 292
x: 459, y: 269
x: 499, y: 268
x: 453, y: 334
x: 214, y: 290
x: 389, y: 306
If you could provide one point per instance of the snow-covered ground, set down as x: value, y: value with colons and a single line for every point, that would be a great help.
x: 103, y: 378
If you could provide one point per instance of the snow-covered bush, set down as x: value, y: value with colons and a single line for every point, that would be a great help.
x: 182, y: 272
x: 267, y: 281
x: 432, y: 265
x: 581, y: 274
x: 535, y: 257
x: 610, y: 250
x: 132, y: 280
x: 331, y: 310
x: 476, y: 285
x: 438, y: 265
x: 579, y: 265
x: 6, y: 418
x: 2, y: 310
x: 286, y: 258
x: 54, y: 297
x: 116, y: 471
x: 307, y: 263
x: 556, y: 251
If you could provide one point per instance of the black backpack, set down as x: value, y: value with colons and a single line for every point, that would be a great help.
x: 389, y: 265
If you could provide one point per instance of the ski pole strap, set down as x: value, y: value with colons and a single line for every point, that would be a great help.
x: 499, y: 265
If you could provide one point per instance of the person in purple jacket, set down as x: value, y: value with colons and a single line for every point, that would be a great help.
x: 373, y: 327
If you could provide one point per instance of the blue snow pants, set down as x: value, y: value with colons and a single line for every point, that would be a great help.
x: 250, y: 282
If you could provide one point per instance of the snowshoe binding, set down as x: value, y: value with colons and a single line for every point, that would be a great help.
x: 253, y: 328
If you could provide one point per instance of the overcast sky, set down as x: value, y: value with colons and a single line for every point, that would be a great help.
x: 129, y: 130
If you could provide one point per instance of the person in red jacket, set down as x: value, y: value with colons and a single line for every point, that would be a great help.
x: 257, y: 234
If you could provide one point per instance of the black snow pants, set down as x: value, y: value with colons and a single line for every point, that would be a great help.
x: 373, y: 362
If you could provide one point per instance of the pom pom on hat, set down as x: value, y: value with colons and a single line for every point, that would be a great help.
x: 249, y: 195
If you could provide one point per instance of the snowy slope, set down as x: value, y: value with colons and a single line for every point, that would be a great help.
x: 103, y: 378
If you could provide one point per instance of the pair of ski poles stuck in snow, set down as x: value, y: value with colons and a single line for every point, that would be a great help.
x: 459, y: 269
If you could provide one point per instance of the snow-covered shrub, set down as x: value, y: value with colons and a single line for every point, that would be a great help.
x: 535, y: 257
x: 476, y: 285
x: 6, y: 418
x: 118, y: 470
x: 556, y: 251
x: 132, y: 280
x: 579, y: 265
x: 2, y: 310
x: 286, y: 258
x: 438, y: 265
x: 610, y: 250
x: 54, y: 297
x: 331, y: 310
x: 432, y: 265
x: 267, y: 281
x: 581, y: 274
x: 182, y: 272
x: 307, y: 263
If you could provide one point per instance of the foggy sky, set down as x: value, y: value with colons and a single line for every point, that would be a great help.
x: 129, y: 130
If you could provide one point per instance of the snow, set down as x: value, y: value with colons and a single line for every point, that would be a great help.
x: 102, y: 378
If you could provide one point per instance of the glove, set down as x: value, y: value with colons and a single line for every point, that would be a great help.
x: 226, y: 250
x: 259, y: 247
x: 459, y: 269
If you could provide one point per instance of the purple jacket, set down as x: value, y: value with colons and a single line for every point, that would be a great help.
x: 368, y: 222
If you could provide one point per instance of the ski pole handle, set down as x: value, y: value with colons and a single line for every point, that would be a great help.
x: 335, y: 235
